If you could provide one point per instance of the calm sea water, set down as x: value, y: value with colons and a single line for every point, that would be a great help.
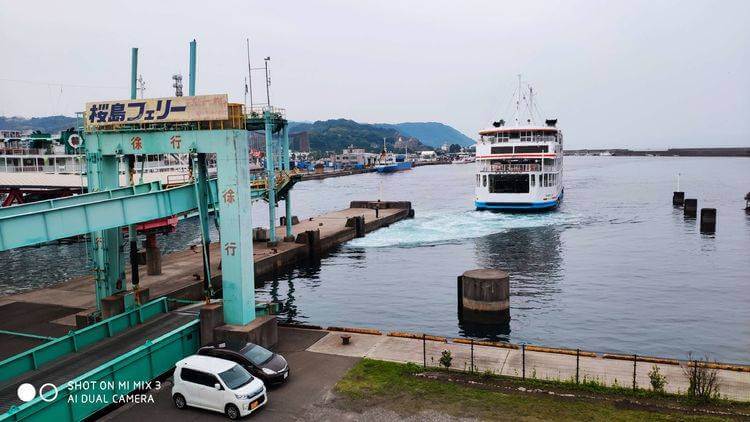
x: 616, y: 268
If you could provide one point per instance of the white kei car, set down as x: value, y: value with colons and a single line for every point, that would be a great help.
x: 217, y: 384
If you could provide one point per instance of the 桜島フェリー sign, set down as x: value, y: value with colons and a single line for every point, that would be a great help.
x: 156, y: 110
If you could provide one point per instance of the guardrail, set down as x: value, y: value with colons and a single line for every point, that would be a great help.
x: 74, y: 341
x: 111, y: 381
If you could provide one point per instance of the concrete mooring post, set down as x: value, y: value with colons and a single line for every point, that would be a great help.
x: 153, y: 255
x: 678, y: 198
x: 691, y: 207
x: 708, y: 220
x: 484, y: 296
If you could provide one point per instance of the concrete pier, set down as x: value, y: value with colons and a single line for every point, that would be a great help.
x: 691, y: 207
x: 182, y: 271
x: 708, y: 220
x: 484, y: 296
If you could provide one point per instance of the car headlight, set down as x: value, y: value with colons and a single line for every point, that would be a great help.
x: 269, y: 371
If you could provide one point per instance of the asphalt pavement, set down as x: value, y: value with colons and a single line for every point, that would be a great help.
x: 311, y: 379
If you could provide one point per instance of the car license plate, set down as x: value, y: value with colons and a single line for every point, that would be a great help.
x: 253, y: 405
x: 286, y: 374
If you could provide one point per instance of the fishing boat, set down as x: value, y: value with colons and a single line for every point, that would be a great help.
x: 520, y: 167
x: 390, y: 163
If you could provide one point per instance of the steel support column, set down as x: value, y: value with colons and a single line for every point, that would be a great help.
x: 271, y: 176
x: 238, y: 280
x: 285, y: 167
x: 132, y: 231
x: 103, y: 174
x: 200, y: 173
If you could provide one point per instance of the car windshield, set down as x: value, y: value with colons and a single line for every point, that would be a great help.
x: 236, y: 377
x: 257, y: 354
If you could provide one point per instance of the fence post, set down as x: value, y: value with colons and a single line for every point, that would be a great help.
x: 472, y: 355
x: 424, y: 350
x: 578, y: 359
x: 523, y: 361
x: 635, y: 360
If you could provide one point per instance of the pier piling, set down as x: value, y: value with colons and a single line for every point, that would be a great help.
x: 708, y: 220
x: 691, y: 207
x: 678, y: 198
x: 484, y: 296
x: 153, y: 255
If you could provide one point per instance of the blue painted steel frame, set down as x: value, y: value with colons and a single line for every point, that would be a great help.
x: 74, y: 341
x: 117, y: 377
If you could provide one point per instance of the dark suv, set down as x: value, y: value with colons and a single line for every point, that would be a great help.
x: 271, y: 367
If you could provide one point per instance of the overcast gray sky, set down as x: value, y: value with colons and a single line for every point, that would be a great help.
x: 615, y: 73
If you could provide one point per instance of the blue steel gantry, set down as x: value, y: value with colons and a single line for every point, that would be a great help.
x: 109, y: 207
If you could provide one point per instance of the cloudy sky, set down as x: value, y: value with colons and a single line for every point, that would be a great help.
x: 615, y: 73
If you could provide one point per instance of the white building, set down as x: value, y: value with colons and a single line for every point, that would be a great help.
x: 352, y: 156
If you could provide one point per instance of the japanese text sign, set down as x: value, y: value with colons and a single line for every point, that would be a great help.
x: 156, y: 110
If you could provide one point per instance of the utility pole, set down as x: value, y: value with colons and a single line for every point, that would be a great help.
x: 268, y: 82
x: 141, y: 85
x: 249, y: 75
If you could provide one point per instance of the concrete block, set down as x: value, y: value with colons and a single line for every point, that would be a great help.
x: 211, y: 317
x: 260, y: 234
x: 484, y: 295
x: 113, y: 305
x: 262, y: 330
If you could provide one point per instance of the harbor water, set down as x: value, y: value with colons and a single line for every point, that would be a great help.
x: 616, y: 268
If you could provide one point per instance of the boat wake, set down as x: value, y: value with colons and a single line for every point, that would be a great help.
x: 435, y: 228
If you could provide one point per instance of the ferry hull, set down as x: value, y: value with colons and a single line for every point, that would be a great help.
x: 519, y: 206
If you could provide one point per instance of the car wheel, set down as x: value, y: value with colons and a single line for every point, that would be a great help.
x: 232, y: 412
x: 179, y: 401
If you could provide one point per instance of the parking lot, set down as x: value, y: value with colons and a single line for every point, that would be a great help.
x: 312, y: 376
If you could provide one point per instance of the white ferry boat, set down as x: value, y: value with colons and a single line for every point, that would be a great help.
x: 520, y: 167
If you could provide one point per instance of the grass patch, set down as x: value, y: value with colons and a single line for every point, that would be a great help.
x: 397, y: 387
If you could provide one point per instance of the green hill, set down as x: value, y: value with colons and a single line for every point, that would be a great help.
x: 336, y: 134
x: 433, y: 134
x: 48, y: 124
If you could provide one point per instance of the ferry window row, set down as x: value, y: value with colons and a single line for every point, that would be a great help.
x: 523, y: 136
x: 522, y: 149
x: 516, y: 183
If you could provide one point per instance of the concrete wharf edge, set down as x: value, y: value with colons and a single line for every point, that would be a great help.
x: 506, y: 359
x: 182, y: 271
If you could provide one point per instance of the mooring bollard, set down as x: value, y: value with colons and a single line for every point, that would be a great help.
x: 708, y: 220
x: 523, y: 361
x: 484, y: 296
x: 678, y: 198
x: 691, y: 207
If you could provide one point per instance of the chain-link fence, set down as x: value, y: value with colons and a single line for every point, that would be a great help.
x: 567, y: 365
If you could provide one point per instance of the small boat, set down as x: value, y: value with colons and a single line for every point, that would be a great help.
x: 390, y: 163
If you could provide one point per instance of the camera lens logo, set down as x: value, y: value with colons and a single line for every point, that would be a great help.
x: 27, y: 392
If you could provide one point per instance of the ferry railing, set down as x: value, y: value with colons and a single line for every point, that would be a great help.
x: 511, y: 168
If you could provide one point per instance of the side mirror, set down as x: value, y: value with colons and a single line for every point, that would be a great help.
x: 217, y: 386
